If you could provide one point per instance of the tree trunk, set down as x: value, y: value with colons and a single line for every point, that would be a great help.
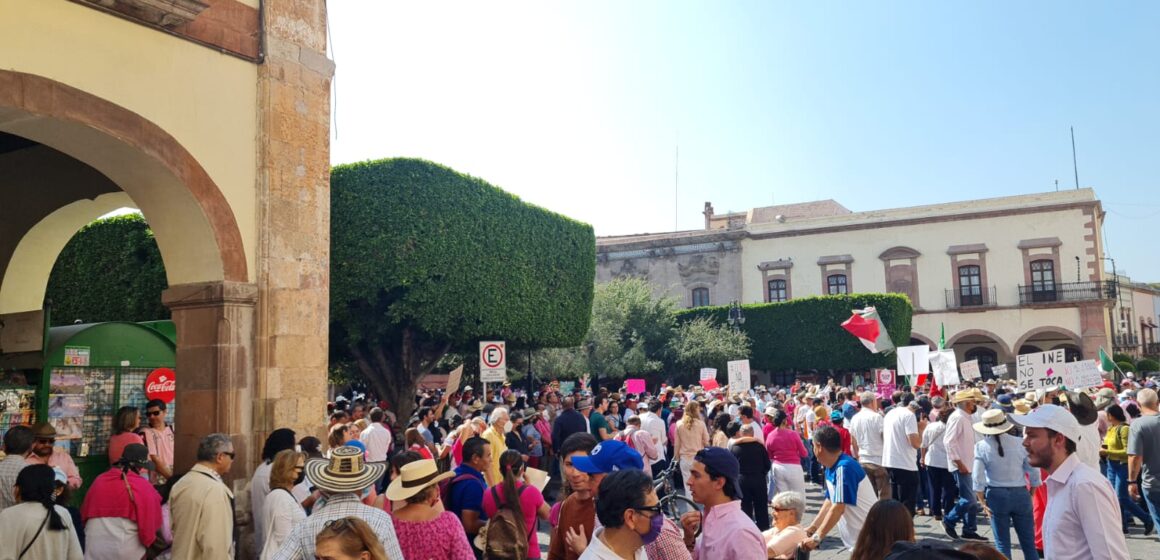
x: 393, y: 368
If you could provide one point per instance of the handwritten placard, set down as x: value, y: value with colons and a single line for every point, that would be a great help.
x: 999, y: 370
x: 1081, y: 375
x: 636, y: 386
x: 970, y: 370
x: 1041, y: 370
x: 708, y: 373
x: 739, y: 376
x: 943, y: 364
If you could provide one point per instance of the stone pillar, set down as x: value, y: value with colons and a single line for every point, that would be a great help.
x: 215, y: 366
x: 293, y: 259
x: 1093, y: 329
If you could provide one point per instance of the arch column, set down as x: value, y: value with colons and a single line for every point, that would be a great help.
x: 215, y: 366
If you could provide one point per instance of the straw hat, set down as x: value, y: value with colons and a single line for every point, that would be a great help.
x: 413, y: 477
x: 971, y: 394
x: 1105, y: 398
x: 1022, y: 406
x: 994, y: 422
x: 344, y: 472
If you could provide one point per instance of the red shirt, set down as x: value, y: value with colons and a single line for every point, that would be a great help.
x: 845, y: 435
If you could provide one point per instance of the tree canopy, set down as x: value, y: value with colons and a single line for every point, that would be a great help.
x: 111, y: 270
x: 425, y: 260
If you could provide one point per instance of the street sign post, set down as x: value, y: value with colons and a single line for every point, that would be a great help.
x: 492, y: 363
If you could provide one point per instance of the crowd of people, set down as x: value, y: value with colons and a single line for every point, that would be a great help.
x: 476, y: 476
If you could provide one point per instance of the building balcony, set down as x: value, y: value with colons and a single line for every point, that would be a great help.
x: 1067, y: 292
x: 1152, y: 349
x: 1125, y: 341
x: 985, y: 297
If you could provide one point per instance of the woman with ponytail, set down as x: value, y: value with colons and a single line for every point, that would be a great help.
x: 36, y: 528
x: 522, y: 498
x: 1001, y: 475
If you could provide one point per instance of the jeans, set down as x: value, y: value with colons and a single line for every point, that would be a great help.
x: 771, y: 485
x: 966, y: 507
x: 879, y: 479
x: 1011, y: 508
x: 753, y: 502
x: 904, y: 486
x: 923, y: 499
x: 942, y: 490
x: 1152, y: 498
x: 1118, y: 474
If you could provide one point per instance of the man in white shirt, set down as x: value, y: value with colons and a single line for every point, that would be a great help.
x: 866, y: 442
x: 630, y: 517
x: 901, y: 438
x: 959, y: 440
x: 1083, y: 513
x: 652, y: 423
x: 377, y: 438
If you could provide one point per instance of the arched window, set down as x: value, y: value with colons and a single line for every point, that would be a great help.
x: 987, y: 359
x: 777, y: 291
x: 836, y: 284
x: 1043, y: 280
x: 700, y: 297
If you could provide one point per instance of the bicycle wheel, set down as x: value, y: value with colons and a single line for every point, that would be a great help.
x: 675, y: 505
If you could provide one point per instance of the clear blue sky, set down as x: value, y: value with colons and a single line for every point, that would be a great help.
x: 579, y: 107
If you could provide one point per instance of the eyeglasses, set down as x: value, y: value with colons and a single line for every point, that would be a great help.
x: 229, y: 454
x: 153, y: 413
x: 656, y: 510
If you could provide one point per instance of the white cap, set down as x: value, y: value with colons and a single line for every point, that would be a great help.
x: 1051, y: 417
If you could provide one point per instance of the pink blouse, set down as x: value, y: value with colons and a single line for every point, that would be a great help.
x: 118, y: 443
x: 442, y: 537
x: 530, y: 502
x: 785, y: 447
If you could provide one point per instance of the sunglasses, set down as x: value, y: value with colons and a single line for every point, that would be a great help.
x: 45, y: 440
x: 153, y: 413
x: 230, y: 454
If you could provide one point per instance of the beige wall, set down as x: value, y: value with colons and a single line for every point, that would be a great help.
x: 204, y: 99
x: 718, y: 271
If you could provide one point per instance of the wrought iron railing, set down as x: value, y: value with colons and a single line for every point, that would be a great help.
x: 965, y: 298
x: 1125, y: 341
x: 1066, y: 292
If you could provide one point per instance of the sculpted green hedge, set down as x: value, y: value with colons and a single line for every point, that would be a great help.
x: 806, y: 333
x: 111, y: 270
x: 425, y: 259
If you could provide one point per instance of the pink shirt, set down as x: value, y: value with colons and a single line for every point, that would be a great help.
x: 960, y: 440
x: 442, y: 537
x: 765, y: 430
x: 160, y: 443
x: 59, y: 458
x: 118, y: 443
x: 728, y: 533
x: 785, y: 447
x: 530, y: 502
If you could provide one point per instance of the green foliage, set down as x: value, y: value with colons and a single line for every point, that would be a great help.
x: 806, y: 333
x: 635, y: 333
x: 1122, y: 357
x: 111, y: 270
x: 425, y: 260
x: 1126, y: 366
x: 1147, y: 365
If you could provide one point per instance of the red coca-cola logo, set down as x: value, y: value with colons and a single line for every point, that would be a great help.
x: 161, y: 384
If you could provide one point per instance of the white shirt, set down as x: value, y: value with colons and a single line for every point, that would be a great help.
x: 897, y: 453
x: 655, y: 426
x: 597, y: 550
x: 866, y: 428
x: 259, y: 489
x: 112, y: 538
x: 1082, y: 520
x: 1088, y: 446
x: 283, y: 512
x: 378, y: 439
x: 936, y: 450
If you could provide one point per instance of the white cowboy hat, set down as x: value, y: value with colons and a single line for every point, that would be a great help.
x: 413, y: 477
x: 994, y: 422
x: 344, y: 472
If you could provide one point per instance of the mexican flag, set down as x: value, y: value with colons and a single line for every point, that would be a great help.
x: 871, y: 332
x: 1106, y: 363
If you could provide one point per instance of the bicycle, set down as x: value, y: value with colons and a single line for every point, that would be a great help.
x: 672, y: 503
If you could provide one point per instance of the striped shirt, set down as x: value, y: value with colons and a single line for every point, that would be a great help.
x: 299, y: 544
x: 847, y: 483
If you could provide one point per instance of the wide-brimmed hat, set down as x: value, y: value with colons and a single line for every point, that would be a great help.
x: 135, y: 455
x: 43, y: 430
x: 1081, y: 406
x: 994, y: 422
x: 1104, y: 398
x: 345, y: 471
x: 413, y: 477
x: 1021, y: 406
x: 971, y: 394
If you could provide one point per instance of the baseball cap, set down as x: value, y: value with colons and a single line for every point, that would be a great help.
x: 721, y: 461
x: 1052, y: 417
x: 609, y: 456
x: 836, y: 415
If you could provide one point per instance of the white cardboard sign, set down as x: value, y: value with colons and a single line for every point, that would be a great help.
x: 1041, y: 370
x: 739, y: 376
x: 1081, y: 375
x: 943, y: 364
x: 999, y: 370
x: 912, y: 361
x: 970, y: 370
x: 708, y: 373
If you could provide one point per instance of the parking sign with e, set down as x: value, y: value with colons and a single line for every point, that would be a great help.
x: 492, y: 361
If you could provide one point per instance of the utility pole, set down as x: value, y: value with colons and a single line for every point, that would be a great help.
x: 1074, y: 164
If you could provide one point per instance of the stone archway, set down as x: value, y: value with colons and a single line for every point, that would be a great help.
x: 1046, y: 338
x: 981, y: 336
x: 916, y: 339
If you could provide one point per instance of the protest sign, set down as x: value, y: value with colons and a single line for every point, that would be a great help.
x: 632, y: 386
x: 739, y: 376
x: 885, y: 383
x: 912, y: 361
x: 708, y: 373
x: 566, y: 387
x: 999, y: 370
x: 454, y: 379
x: 709, y: 384
x: 1081, y: 375
x: 1042, y: 370
x: 943, y: 364
x: 970, y: 370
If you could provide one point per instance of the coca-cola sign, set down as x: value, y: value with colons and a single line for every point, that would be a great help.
x: 161, y: 384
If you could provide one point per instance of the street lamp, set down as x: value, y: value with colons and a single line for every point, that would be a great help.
x: 736, y: 316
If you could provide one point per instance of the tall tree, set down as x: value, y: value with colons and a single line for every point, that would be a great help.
x: 425, y: 260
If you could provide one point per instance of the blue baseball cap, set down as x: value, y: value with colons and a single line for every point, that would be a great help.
x: 722, y: 462
x: 609, y: 456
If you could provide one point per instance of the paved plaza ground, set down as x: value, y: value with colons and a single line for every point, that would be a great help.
x: 1139, y: 546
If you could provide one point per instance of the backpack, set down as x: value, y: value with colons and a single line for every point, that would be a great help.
x: 503, y: 539
x: 445, y: 490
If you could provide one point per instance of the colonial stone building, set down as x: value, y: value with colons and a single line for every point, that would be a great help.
x: 212, y: 118
x: 1005, y: 276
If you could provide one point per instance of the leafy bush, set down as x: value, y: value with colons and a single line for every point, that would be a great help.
x: 425, y: 260
x: 1122, y: 357
x: 111, y: 270
x: 1148, y: 365
x: 806, y: 333
x: 1126, y: 367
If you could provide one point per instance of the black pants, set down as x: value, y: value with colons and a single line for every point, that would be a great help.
x: 943, y: 491
x: 904, y: 486
x: 753, y: 499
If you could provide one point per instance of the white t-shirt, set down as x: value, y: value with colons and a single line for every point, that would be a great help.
x: 597, y: 550
x: 936, y: 449
x: 897, y: 453
x: 866, y: 428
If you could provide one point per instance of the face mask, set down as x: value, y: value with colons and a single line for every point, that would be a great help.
x: 301, y: 478
x: 507, y: 428
x: 654, y: 529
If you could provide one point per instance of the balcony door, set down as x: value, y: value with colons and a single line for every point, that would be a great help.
x: 1043, y: 287
x: 970, y: 285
